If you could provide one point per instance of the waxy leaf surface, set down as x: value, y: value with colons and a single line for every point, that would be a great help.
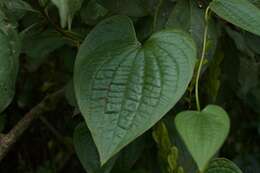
x: 123, y: 87
x: 238, y: 12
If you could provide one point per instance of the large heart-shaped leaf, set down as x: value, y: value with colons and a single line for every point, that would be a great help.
x: 9, y: 63
x: 203, y: 132
x: 122, y: 87
x: 239, y: 12
x: 221, y: 165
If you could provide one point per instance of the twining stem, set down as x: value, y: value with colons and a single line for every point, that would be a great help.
x: 202, y: 58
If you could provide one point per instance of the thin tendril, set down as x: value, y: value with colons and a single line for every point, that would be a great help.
x: 202, y: 58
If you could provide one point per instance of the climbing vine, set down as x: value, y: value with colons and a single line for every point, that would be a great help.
x: 127, y: 78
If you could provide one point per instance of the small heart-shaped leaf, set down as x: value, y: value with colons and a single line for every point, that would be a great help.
x: 222, y: 165
x: 203, y: 132
x: 122, y: 87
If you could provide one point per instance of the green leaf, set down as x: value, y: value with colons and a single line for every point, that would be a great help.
x: 67, y: 10
x: 188, y: 16
x: 87, y: 151
x: 17, y: 8
x: 14, y: 10
x: 222, y: 165
x: 122, y: 87
x: 38, y: 46
x: 238, y: 12
x: 9, y: 58
x: 92, y: 12
x: 203, y: 132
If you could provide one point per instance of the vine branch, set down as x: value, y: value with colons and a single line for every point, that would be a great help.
x: 9, y: 139
x: 202, y: 58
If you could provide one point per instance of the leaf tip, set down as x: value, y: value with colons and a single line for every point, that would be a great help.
x: 104, y: 158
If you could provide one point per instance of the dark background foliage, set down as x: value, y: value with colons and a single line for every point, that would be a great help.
x: 231, y: 78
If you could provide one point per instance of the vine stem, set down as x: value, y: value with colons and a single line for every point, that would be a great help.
x: 202, y: 58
